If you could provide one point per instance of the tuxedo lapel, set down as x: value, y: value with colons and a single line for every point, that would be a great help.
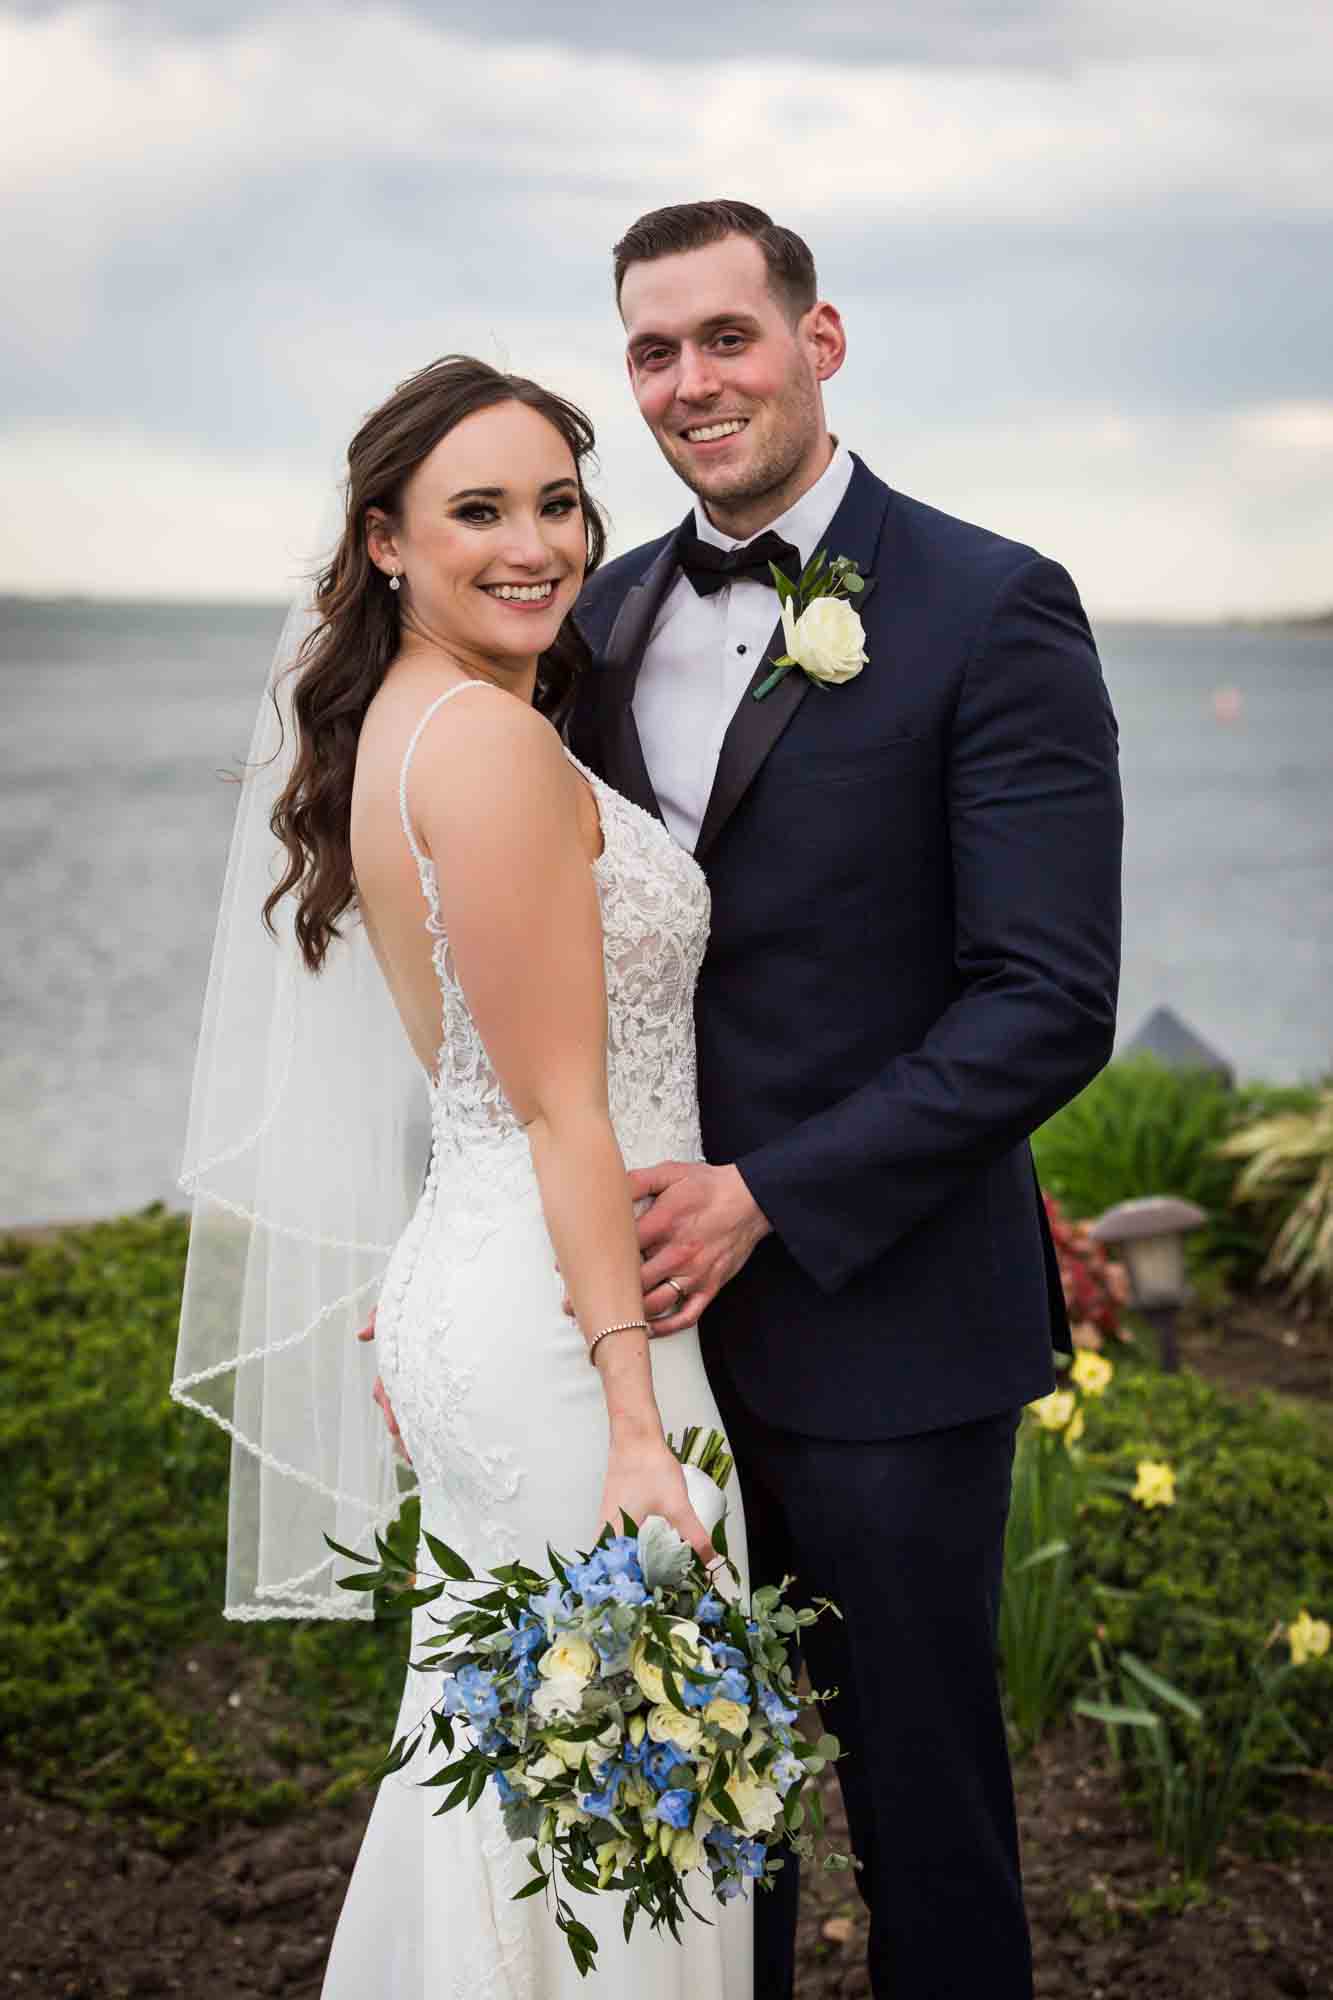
x: 756, y: 726
x: 625, y: 767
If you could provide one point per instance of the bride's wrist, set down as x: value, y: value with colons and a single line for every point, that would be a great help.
x: 636, y: 1430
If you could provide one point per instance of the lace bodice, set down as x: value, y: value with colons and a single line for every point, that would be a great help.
x: 655, y: 905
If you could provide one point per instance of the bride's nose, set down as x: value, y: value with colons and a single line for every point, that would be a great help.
x: 527, y: 546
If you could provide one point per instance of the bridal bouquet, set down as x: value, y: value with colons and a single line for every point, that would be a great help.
x: 637, y: 1725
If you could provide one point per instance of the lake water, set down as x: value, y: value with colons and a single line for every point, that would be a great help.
x: 115, y: 828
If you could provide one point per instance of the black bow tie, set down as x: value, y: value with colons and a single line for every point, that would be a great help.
x: 709, y: 567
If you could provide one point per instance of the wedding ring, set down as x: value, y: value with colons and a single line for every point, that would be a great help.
x: 678, y: 1289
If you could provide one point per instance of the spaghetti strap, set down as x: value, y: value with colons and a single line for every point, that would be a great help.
x: 422, y: 860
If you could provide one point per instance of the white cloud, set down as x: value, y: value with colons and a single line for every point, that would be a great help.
x: 1081, y: 295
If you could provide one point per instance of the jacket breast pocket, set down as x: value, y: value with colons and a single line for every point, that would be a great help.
x: 888, y: 761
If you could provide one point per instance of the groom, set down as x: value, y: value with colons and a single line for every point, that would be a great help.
x: 913, y: 963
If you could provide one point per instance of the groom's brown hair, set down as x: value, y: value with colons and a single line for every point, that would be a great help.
x: 691, y: 225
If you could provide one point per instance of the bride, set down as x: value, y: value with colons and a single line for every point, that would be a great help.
x: 538, y: 937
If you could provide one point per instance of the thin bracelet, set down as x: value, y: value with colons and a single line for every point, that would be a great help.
x: 623, y: 1326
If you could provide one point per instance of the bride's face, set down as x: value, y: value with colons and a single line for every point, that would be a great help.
x: 491, y: 542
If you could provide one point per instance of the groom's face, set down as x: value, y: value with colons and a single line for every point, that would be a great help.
x: 726, y: 383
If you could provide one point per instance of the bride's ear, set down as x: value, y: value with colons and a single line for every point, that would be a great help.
x: 380, y: 544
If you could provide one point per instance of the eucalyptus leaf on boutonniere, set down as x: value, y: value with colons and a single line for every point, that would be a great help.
x: 825, y: 637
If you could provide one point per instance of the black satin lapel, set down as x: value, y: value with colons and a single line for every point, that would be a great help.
x: 625, y: 767
x: 756, y: 726
x: 751, y: 734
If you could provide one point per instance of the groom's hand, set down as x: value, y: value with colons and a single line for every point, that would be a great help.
x: 701, y: 1227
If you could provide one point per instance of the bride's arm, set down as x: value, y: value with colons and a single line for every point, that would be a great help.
x: 496, y: 802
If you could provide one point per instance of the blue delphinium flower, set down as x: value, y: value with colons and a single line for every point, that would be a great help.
x: 528, y: 1636
x: 750, y: 1858
x: 676, y: 1807
x: 695, y: 1696
x: 775, y: 1708
x: 526, y: 1680
x: 554, y: 1606
x: 727, y: 1656
x: 733, y: 1686
x: 492, y: 1741
x: 710, y: 1610
x: 602, y: 1803
x: 659, y: 1760
x: 626, y: 1586
x: 786, y: 1770
x: 477, y: 1689
x: 728, y: 1889
x: 509, y: 1795
x: 621, y: 1557
x: 722, y: 1838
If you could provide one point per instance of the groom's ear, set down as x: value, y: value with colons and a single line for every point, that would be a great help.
x: 826, y: 338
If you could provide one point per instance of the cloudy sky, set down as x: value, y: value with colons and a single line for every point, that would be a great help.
x: 1083, y: 251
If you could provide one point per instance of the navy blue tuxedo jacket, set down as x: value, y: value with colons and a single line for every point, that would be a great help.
x: 913, y: 962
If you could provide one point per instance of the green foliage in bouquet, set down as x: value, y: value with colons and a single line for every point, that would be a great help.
x: 1141, y: 1128
x: 636, y: 1725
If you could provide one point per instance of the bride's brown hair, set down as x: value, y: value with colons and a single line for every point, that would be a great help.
x: 343, y: 661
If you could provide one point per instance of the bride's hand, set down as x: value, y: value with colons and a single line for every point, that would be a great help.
x: 643, y: 1477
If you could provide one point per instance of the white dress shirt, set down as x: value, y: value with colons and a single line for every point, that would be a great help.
x: 702, y: 654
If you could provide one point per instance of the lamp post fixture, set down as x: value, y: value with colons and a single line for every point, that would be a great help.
x: 1150, y: 1235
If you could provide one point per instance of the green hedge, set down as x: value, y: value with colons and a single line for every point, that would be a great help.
x: 112, y: 1544
x: 1195, y: 1589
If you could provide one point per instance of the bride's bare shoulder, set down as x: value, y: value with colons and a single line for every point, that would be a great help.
x: 475, y: 750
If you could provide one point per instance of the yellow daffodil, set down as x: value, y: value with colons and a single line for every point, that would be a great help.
x: 1155, y: 1485
x: 1090, y: 1372
x: 1308, y: 1639
x: 1074, y: 1429
x: 1054, y: 1411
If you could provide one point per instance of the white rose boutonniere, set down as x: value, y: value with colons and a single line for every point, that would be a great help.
x: 825, y: 637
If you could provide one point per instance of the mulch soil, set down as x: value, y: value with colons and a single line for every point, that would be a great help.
x: 92, y: 1914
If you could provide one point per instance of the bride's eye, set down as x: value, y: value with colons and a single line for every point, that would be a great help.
x: 476, y: 513
x: 566, y: 504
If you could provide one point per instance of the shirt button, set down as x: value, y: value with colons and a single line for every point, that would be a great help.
x: 740, y: 649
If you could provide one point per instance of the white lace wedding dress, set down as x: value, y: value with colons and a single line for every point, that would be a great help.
x: 506, y: 1424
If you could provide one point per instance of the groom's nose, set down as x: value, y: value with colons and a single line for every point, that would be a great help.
x: 697, y: 381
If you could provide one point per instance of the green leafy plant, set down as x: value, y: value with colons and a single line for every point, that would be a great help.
x: 1141, y: 1128
x: 1045, y: 1612
x: 1288, y: 1173
x: 1194, y: 1780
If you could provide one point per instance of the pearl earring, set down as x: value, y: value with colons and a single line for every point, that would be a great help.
x: 395, y: 582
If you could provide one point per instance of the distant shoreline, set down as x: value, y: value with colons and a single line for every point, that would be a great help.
x: 1277, y: 621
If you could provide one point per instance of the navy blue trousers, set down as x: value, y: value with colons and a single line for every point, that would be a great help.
x: 906, y: 1536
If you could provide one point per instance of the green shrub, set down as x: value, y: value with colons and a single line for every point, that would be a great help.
x: 112, y: 1547
x: 1140, y: 1128
x: 1196, y: 1589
